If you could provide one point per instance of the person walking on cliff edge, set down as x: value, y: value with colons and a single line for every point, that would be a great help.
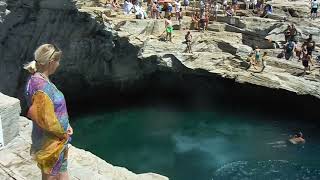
x: 51, y: 131
x: 169, y: 28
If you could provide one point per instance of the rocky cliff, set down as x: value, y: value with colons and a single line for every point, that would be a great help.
x: 106, y: 52
x: 93, y: 54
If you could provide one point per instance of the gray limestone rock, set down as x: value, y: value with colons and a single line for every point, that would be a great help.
x: 9, y: 113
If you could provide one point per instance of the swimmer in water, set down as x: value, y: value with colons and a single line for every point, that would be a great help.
x: 297, y: 139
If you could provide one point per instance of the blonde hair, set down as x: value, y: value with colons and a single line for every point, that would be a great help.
x: 42, y: 56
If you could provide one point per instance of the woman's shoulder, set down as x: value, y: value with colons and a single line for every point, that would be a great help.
x: 37, y: 83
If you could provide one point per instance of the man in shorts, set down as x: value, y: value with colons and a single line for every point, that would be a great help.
x: 314, y: 9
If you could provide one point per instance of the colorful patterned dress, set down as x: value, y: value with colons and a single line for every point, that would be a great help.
x: 47, y: 109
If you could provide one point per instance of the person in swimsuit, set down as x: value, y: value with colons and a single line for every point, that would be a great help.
x: 169, y: 28
x: 297, y: 139
x: 257, y: 56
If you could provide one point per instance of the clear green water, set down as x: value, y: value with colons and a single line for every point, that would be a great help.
x: 200, y: 145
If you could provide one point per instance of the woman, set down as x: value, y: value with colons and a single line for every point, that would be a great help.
x: 47, y: 108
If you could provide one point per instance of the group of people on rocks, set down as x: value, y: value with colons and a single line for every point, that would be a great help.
x: 293, y: 47
x: 210, y: 8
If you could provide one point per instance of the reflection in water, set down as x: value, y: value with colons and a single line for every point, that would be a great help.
x: 189, y: 145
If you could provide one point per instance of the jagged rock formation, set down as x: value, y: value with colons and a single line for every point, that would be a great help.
x: 120, y: 51
x: 93, y: 54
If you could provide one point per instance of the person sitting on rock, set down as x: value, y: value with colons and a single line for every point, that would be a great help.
x: 188, y: 38
x: 297, y: 139
x: 169, y: 28
x: 127, y: 7
x: 289, y: 49
x: 234, y: 4
x: 140, y: 14
x: 195, y: 20
x: 115, y: 5
x: 267, y: 11
x: 230, y: 11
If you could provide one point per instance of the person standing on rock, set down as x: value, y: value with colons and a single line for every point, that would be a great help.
x: 254, y: 3
x: 257, y: 55
x: 310, y: 45
x: 314, y: 9
x: 293, y: 33
x: 202, y: 7
x: 188, y: 39
x: 47, y: 109
x: 169, y: 28
x: 225, y: 5
x: 177, y: 9
x: 287, y: 33
x: 215, y: 10
x: 305, y: 62
x: 264, y: 61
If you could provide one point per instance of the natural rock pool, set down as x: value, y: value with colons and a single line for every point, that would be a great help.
x: 186, y: 143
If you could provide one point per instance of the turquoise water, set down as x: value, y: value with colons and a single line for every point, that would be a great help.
x: 200, y: 145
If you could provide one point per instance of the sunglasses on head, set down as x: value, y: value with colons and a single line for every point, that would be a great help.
x: 56, y: 49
